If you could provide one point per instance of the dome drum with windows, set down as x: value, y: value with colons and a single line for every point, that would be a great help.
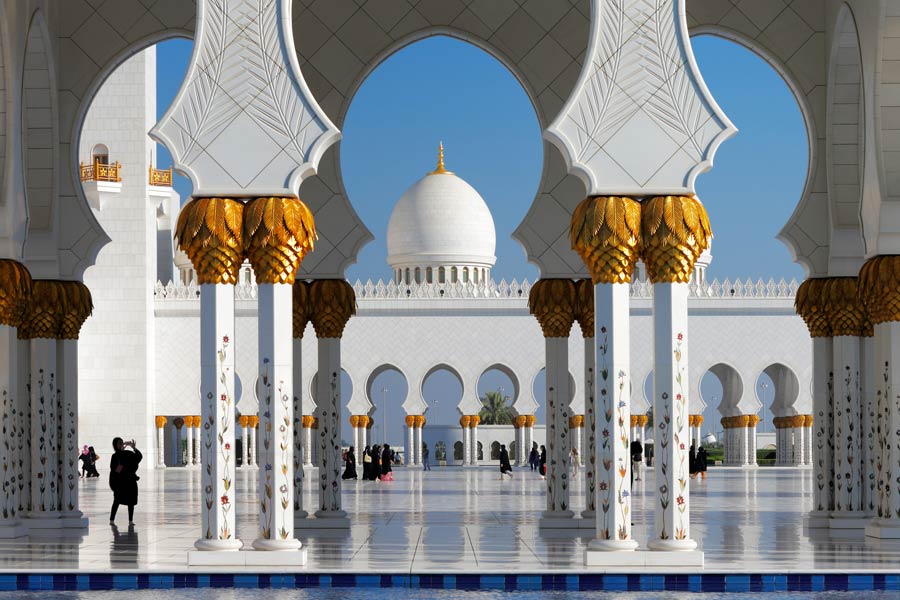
x: 441, y: 231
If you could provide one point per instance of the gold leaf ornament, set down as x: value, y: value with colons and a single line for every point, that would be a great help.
x: 584, y: 292
x: 846, y: 312
x: 15, y: 292
x: 810, y: 305
x: 209, y: 232
x: 79, y: 306
x: 301, y: 307
x: 332, y: 302
x: 879, y: 288
x: 606, y: 234
x: 278, y: 233
x: 46, y: 311
x: 553, y: 303
x: 675, y: 231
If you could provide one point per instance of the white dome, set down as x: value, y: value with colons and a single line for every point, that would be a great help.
x: 441, y: 220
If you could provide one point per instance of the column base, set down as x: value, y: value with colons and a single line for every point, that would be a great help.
x: 851, y: 519
x: 563, y: 519
x: 589, y: 515
x: 611, y: 546
x: 883, y: 529
x: 248, y: 558
x: 672, y: 545
x: 300, y: 515
x: 205, y: 546
x: 44, y: 520
x: 642, y: 558
x: 73, y: 520
x: 819, y: 519
x: 275, y: 546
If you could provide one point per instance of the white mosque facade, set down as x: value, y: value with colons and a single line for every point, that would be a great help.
x: 439, y: 309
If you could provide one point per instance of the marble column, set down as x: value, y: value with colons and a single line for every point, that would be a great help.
x: 198, y: 420
x: 576, y: 431
x: 467, y: 453
x: 178, y: 422
x: 868, y: 430
x: 244, y: 421
x: 23, y: 403
x: 797, y: 422
x: 420, y: 425
x: 670, y: 403
x: 300, y: 319
x: 276, y: 407
x: 529, y: 434
x: 823, y: 452
x: 307, y: 422
x: 554, y: 304
x: 217, y: 386
x: 189, y: 440
x: 44, y: 448
x: 253, y: 422
x: 751, y: 440
x: 847, y: 435
x: 161, y: 442
x: 332, y: 303
x: 612, y: 404
x: 474, y: 420
x: 808, y: 440
x: 79, y: 307
x: 517, y: 427
x: 410, y: 422
x: 10, y: 523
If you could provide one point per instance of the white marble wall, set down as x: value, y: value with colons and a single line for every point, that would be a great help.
x: 117, y: 348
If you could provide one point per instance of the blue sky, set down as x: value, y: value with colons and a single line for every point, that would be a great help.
x: 493, y: 140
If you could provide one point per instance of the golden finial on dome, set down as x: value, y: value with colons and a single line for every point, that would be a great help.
x: 440, y: 164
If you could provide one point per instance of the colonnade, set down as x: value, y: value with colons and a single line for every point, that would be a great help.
x: 739, y: 440
x: 695, y: 422
x: 187, y: 430
x: 39, y: 325
x: 217, y: 234
x: 853, y: 322
x: 793, y: 440
x: 611, y: 234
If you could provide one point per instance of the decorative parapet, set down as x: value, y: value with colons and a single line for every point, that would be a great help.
x: 503, y: 290
x: 160, y: 177
x: 101, y: 172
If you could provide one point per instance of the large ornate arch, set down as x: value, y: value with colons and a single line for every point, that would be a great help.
x: 444, y: 366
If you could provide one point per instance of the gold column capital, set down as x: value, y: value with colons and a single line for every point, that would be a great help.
x: 161, y: 421
x: 79, y: 306
x: 584, y: 299
x: 675, y: 231
x: 606, y: 233
x: 474, y: 420
x: 46, y: 310
x: 420, y: 421
x: 879, y: 288
x: 798, y: 420
x: 464, y: 421
x: 15, y: 292
x: 553, y: 303
x: 370, y: 422
x: 520, y: 421
x: 810, y: 305
x: 300, y: 307
x: 307, y: 421
x: 846, y: 311
x: 754, y: 421
x: 410, y: 420
x: 807, y: 420
x: 576, y: 421
x: 244, y: 420
x: 530, y: 420
x: 278, y: 233
x: 354, y: 421
x: 209, y: 231
x: 332, y: 302
x: 643, y: 420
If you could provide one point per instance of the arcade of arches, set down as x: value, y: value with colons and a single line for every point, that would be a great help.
x: 251, y: 145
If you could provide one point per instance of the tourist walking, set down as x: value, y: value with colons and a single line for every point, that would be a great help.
x: 350, y: 468
x: 387, y: 474
x: 505, y: 467
x: 123, y: 478
x: 702, y: 460
x: 542, y: 462
x: 534, y: 457
x: 426, y: 464
x: 367, y: 463
x: 92, y: 463
x: 83, y: 458
x: 375, y: 469
x: 692, y: 462
x: 573, y: 460
x: 637, y: 450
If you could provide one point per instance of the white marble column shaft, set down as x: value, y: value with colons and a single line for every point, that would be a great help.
x: 467, y: 443
x: 670, y: 410
x: 307, y: 446
x: 417, y: 445
x: 847, y: 418
x: 328, y: 398
x: 612, y: 405
x: 887, y: 372
x: 251, y: 447
x: 245, y: 445
x: 751, y: 445
x: 297, y: 431
x: 868, y: 431
x: 473, y: 431
x: 23, y: 401
x: 67, y: 366
x: 558, y: 439
x: 196, y: 458
x: 410, y: 445
x: 217, y: 405
x: 10, y: 523
x: 275, y: 389
x: 161, y: 447
x: 823, y: 461
x: 189, y: 442
x: 44, y: 448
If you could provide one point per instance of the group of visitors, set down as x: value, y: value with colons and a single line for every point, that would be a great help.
x: 697, y: 462
x: 88, y: 459
x: 537, y: 460
x: 377, y: 462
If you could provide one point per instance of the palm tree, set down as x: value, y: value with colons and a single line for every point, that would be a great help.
x: 495, y: 411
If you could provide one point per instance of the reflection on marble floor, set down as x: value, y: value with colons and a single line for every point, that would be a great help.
x: 455, y: 520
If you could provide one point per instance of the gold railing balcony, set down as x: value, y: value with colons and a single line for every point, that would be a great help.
x: 101, y: 172
x: 161, y: 176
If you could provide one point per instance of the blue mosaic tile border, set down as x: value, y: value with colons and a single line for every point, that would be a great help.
x: 579, y: 582
x: 510, y: 583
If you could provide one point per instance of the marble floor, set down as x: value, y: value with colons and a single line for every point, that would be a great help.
x: 456, y: 521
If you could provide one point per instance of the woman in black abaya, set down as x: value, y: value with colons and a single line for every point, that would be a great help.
x: 350, y: 469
